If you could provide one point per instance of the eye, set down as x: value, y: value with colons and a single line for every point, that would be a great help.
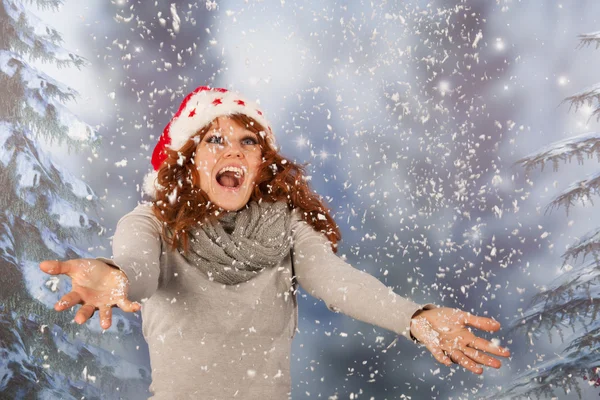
x: 253, y: 141
x: 210, y: 139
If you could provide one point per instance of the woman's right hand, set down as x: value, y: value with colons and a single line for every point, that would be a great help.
x: 95, y: 285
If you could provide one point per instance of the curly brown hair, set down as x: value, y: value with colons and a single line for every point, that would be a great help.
x: 180, y: 203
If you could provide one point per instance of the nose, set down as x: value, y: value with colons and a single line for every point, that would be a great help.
x: 233, y: 150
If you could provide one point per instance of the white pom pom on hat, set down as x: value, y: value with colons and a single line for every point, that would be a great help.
x: 198, y: 109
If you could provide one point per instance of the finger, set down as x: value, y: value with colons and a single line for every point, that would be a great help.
x: 487, y: 346
x: 84, y: 313
x: 460, y: 358
x: 67, y: 301
x: 438, y: 354
x: 483, y: 323
x: 105, y: 316
x: 55, y: 267
x: 481, y: 358
x: 129, y: 306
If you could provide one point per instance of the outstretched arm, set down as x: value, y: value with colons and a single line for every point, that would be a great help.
x: 345, y: 289
x: 355, y: 293
x: 97, y: 286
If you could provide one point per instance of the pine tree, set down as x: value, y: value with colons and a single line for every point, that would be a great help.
x: 44, y: 211
x: 575, y: 299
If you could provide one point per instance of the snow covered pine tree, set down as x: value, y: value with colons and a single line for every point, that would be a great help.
x: 575, y: 299
x: 43, y: 354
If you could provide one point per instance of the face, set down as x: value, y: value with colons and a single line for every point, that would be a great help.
x: 228, y: 144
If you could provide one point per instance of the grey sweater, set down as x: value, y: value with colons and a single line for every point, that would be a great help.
x: 212, y: 341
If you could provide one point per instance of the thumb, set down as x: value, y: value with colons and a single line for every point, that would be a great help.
x: 55, y: 267
x: 129, y: 306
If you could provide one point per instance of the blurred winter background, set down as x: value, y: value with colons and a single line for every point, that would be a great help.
x: 412, y: 115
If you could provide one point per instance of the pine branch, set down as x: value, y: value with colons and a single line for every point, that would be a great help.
x: 589, y: 342
x: 578, y: 191
x: 53, y: 5
x: 45, y: 212
x: 589, y: 38
x: 36, y: 342
x: 31, y: 37
x: 565, y: 149
x: 578, y: 360
x: 38, y: 83
x: 577, y: 298
x: 587, y: 95
x: 590, y: 243
x: 563, y: 304
x: 576, y: 364
x: 564, y: 372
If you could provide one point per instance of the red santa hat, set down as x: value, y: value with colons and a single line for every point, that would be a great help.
x: 198, y: 109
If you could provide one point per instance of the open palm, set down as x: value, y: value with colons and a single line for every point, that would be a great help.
x: 444, y: 332
x: 95, y: 285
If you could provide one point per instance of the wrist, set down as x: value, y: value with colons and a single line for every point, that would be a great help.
x: 419, y: 311
x: 119, y: 272
x: 412, y: 337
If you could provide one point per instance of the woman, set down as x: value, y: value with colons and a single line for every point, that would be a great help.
x: 216, y: 255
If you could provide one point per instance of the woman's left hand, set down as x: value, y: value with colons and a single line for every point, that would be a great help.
x: 443, y: 331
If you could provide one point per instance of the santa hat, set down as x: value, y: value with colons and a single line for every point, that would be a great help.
x: 198, y: 109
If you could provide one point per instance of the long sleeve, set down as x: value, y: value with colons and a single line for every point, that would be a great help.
x: 343, y: 288
x: 136, y: 251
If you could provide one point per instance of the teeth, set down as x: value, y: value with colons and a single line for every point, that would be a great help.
x: 238, y: 171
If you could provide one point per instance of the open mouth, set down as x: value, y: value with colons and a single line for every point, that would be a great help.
x: 230, y: 179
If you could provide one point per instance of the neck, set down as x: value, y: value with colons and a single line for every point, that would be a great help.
x: 225, y: 213
x: 227, y: 219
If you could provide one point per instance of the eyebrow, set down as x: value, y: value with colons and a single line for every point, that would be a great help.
x: 247, y: 134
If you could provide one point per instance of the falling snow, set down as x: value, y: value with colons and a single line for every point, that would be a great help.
x: 423, y: 124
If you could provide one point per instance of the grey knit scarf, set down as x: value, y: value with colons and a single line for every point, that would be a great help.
x: 241, y: 243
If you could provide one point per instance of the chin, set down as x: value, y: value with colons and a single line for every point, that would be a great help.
x: 231, y: 207
x: 231, y: 204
